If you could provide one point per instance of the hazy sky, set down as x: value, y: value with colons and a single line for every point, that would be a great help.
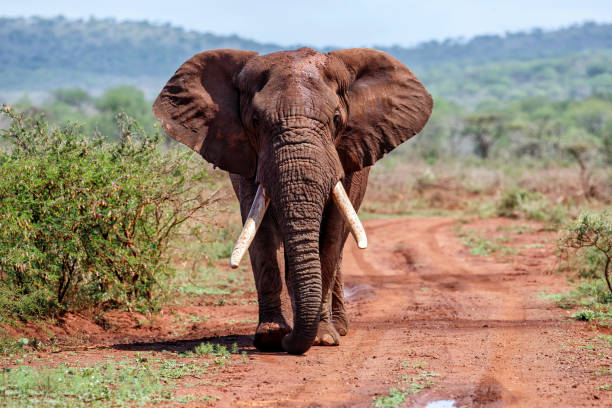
x: 341, y: 23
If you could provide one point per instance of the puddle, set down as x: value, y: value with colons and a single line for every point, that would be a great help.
x: 357, y: 292
x: 441, y: 404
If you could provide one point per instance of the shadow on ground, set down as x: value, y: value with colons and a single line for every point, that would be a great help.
x: 244, y: 342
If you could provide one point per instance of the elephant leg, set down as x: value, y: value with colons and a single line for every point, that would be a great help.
x: 334, y: 233
x: 265, y: 252
x: 333, y: 236
x: 327, y: 335
x: 338, y: 313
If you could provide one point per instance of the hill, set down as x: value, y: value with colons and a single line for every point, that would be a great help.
x: 39, y: 54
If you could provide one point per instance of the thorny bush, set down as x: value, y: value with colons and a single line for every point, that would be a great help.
x: 86, y: 221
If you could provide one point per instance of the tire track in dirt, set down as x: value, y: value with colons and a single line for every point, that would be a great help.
x: 416, y: 294
x: 499, y: 381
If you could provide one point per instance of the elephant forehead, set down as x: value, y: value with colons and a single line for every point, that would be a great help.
x: 293, y: 79
x: 305, y: 78
x: 298, y: 67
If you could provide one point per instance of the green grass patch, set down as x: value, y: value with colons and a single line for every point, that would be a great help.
x: 410, y: 384
x: 591, y: 297
x: 413, y: 385
x: 132, y: 382
x: 221, y: 354
x: 211, y: 281
x: 11, y: 346
x: 102, y: 385
x: 515, y: 229
x: 480, y: 246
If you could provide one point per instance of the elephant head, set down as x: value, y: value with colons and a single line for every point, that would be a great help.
x: 296, y: 122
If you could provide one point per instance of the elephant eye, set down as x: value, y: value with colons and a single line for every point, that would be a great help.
x: 336, y: 119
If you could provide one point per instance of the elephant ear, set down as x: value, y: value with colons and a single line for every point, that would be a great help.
x: 387, y: 105
x: 200, y: 107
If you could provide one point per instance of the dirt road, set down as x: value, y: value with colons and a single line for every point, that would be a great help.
x: 428, y: 314
x: 428, y: 318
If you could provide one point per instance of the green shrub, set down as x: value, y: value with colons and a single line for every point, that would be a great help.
x: 510, y: 203
x: 85, y: 221
x: 584, y: 315
x: 587, y: 245
x: 518, y: 203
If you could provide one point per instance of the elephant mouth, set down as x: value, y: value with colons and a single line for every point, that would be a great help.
x: 258, y: 211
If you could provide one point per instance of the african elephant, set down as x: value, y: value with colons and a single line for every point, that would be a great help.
x: 291, y: 127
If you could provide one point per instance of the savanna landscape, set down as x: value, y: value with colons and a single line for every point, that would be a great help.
x: 486, y: 279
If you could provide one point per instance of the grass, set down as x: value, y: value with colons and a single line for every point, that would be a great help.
x: 601, y: 346
x: 480, y: 246
x: 11, y: 346
x: 583, y: 255
x: 603, y: 371
x: 585, y: 315
x: 131, y: 382
x: 542, y: 191
x: 411, y: 384
x: 102, y: 385
x: 395, y: 398
x: 219, y: 285
x: 220, y: 353
x: 515, y: 229
x: 590, y: 297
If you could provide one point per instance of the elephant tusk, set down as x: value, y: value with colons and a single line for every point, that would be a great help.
x: 347, y: 210
x: 251, y: 225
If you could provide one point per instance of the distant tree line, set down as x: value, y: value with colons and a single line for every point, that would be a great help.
x: 95, y: 115
x: 536, y: 128
x: 44, y: 54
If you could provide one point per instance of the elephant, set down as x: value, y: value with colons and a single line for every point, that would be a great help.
x: 298, y: 132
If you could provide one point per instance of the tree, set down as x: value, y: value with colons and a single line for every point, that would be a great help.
x: 75, y: 97
x: 485, y: 129
x: 592, y: 231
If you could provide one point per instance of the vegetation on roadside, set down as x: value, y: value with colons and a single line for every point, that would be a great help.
x: 481, y: 246
x: 139, y: 381
x: 587, y: 244
x: 87, y: 221
x: 412, y: 383
x: 585, y: 251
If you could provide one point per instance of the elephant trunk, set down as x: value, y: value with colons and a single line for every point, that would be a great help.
x: 302, y: 174
x: 301, y: 244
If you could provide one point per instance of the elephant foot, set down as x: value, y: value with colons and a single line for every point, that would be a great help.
x: 269, y: 335
x: 326, y: 335
x: 340, y: 321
